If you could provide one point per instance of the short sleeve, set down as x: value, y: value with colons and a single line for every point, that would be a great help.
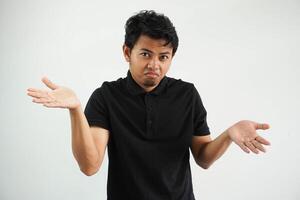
x: 96, y: 110
x: 199, y: 116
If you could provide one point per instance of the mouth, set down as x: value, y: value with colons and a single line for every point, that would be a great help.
x: 151, y: 74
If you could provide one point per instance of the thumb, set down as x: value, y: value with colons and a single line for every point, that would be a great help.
x: 262, y: 126
x: 49, y: 84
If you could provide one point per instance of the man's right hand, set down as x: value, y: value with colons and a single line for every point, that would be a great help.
x: 57, y: 97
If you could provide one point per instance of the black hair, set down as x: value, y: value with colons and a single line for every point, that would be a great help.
x: 152, y: 24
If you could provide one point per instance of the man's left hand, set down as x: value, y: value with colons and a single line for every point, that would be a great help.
x: 244, y: 134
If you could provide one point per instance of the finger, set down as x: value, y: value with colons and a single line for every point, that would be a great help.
x: 41, y: 100
x: 51, y: 105
x: 262, y: 140
x: 251, y: 147
x: 258, y: 146
x: 243, y: 147
x: 49, y: 84
x: 37, y: 94
x: 34, y: 90
x: 262, y: 126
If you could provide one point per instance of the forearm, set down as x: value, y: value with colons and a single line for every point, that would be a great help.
x: 83, y: 145
x: 213, y: 150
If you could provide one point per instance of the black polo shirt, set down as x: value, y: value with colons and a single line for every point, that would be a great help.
x: 150, y: 136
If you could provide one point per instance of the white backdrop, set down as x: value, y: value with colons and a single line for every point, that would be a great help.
x: 243, y: 57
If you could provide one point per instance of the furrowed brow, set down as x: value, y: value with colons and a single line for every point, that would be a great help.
x: 143, y: 49
x: 162, y: 53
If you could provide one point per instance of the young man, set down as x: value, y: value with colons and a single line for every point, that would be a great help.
x: 148, y: 120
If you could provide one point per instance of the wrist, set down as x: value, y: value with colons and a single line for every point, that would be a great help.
x: 227, y: 134
x: 75, y: 109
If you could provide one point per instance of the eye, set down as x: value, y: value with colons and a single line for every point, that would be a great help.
x: 145, y: 54
x: 164, y: 57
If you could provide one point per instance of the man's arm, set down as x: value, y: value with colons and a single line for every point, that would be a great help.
x: 88, y: 143
x: 206, y: 151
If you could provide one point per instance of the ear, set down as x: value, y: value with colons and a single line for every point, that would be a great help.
x: 126, y: 52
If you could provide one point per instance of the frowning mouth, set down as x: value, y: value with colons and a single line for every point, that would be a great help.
x: 151, y: 74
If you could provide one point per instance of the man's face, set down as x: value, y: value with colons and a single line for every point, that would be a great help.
x: 149, y: 60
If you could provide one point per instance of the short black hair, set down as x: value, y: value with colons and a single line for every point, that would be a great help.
x: 153, y: 25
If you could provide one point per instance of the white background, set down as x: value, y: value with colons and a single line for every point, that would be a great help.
x: 242, y: 55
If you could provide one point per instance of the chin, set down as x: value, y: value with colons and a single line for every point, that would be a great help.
x: 150, y: 83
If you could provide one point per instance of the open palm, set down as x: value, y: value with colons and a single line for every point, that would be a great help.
x: 244, y: 134
x: 57, y: 97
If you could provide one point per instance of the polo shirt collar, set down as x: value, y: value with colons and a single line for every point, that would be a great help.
x: 135, y: 89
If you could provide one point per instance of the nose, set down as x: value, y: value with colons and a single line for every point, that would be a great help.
x: 154, y: 64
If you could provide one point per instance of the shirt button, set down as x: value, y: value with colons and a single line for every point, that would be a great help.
x: 149, y: 122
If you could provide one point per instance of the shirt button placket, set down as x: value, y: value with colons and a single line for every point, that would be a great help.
x: 149, y: 113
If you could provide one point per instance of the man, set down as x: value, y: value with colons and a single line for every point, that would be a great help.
x: 148, y: 120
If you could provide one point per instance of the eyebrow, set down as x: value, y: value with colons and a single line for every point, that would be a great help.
x: 143, y: 49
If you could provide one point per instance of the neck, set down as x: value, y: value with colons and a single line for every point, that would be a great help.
x: 147, y: 89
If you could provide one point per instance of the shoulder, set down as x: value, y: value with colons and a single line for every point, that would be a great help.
x: 179, y: 84
x: 110, y: 86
